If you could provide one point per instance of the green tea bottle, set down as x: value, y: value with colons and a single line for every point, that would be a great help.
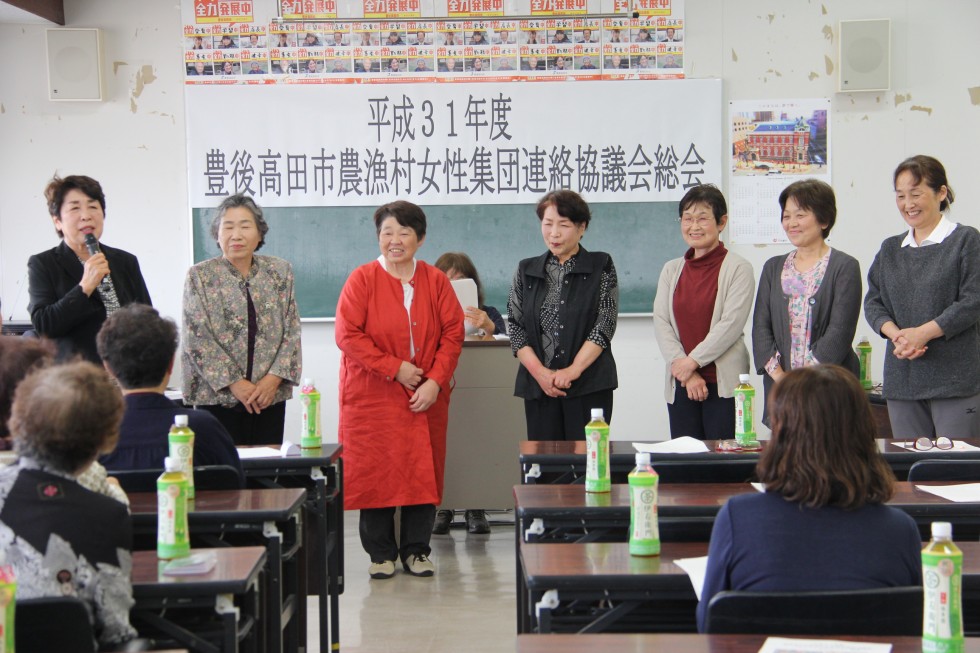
x: 309, y: 399
x: 181, y: 440
x: 745, y: 412
x: 644, y: 530
x: 597, y: 453
x: 8, y: 595
x: 942, y: 585
x: 863, y: 351
x: 173, y: 538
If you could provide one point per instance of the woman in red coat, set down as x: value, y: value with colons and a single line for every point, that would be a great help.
x: 400, y: 328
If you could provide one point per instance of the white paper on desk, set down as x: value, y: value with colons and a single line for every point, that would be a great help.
x: 696, y: 569
x: 958, y: 445
x: 245, y: 453
x: 683, y: 444
x: 467, y: 296
x: 193, y: 565
x: 794, y: 645
x: 960, y: 493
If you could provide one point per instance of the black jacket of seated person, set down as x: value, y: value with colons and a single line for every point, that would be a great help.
x: 143, y: 442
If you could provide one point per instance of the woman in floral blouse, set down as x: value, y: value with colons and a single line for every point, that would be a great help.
x: 807, y: 306
x: 241, y: 329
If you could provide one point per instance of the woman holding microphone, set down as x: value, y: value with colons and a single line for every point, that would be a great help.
x: 76, y: 285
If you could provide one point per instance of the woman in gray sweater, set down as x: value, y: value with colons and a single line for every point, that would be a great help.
x: 924, y: 297
x: 809, y: 300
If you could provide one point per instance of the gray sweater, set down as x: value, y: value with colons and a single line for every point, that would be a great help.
x: 836, y: 309
x: 913, y: 285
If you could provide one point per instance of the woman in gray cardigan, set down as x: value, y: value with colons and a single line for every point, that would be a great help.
x: 703, y: 301
x: 809, y: 300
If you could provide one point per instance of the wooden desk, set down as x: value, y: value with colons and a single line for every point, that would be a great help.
x: 600, y: 585
x: 670, y: 643
x: 565, y: 461
x: 230, y: 590
x: 486, y: 422
x: 687, y: 511
x: 320, y: 473
x: 267, y: 516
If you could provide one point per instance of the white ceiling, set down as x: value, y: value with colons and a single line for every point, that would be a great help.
x: 11, y: 14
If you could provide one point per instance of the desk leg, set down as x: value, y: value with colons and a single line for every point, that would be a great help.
x: 324, y: 555
x: 521, y: 590
x: 335, y: 561
x: 274, y: 582
x: 225, y: 607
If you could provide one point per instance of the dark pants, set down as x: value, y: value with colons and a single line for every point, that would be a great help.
x: 252, y: 428
x: 565, y: 418
x: 377, y: 528
x: 711, y: 419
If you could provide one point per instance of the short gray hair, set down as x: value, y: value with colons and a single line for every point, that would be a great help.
x: 243, y: 201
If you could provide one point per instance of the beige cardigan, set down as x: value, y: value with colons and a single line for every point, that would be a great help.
x: 724, y: 344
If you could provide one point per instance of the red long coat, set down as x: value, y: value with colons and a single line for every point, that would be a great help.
x: 392, y: 456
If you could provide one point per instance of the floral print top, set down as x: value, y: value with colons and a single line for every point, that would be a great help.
x: 800, y: 287
x: 215, y: 329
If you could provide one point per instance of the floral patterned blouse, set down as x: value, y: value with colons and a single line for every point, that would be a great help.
x: 215, y: 329
x: 800, y: 287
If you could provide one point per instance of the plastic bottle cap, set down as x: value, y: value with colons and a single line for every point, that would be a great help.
x: 180, y: 420
x: 643, y: 459
x: 596, y: 413
x: 864, y: 340
x: 171, y: 464
x: 307, y: 382
x: 744, y: 378
x: 942, y: 529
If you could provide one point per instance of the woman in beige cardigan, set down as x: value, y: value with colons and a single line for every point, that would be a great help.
x: 703, y: 301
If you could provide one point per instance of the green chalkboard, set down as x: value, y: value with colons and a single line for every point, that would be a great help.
x: 325, y: 243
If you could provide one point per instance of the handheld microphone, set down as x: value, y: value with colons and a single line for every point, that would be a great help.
x: 91, y: 244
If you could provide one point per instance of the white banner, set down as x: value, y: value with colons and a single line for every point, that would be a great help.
x: 366, y: 144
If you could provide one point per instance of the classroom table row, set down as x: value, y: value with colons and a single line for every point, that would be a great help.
x: 286, y: 494
x: 556, y: 462
x: 574, y: 542
x: 686, y: 643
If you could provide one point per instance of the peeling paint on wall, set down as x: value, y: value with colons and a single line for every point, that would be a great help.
x: 772, y: 17
x: 916, y: 107
x: 865, y: 117
x: 116, y: 65
x: 974, y: 95
x: 813, y: 75
x: 899, y: 98
x: 2, y: 110
x: 775, y: 72
x: 823, y: 9
x: 828, y: 33
x: 734, y: 56
x: 132, y: 105
x: 143, y: 77
x: 829, y: 64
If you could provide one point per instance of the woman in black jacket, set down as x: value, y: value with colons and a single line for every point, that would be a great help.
x: 562, y: 311
x: 72, y: 290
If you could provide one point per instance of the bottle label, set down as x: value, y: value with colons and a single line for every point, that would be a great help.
x: 311, y: 434
x: 597, y: 460
x: 864, y: 356
x: 942, y: 619
x: 643, y: 509
x: 8, y: 592
x: 744, y: 420
x: 167, y: 516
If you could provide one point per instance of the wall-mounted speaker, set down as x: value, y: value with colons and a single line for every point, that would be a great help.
x: 74, y: 64
x: 864, y: 55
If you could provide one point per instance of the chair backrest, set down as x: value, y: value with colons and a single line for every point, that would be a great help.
x: 702, y: 471
x: 890, y: 611
x: 206, y: 477
x: 53, y: 624
x: 945, y: 470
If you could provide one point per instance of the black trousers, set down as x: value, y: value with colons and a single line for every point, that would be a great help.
x: 711, y: 419
x: 377, y: 529
x: 564, y: 418
x: 252, y: 428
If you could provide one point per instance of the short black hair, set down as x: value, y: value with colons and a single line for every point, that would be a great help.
x: 704, y: 194
x: 405, y: 213
x: 931, y: 170
x: 137, y: 345
x: 812, y: 195
x: 568, y: 203
x: 57, y: 188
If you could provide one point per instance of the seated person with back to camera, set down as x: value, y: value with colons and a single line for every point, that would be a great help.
x: 137, y: 347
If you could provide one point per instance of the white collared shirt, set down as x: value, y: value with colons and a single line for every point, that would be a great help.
x: 409, y: 291
x: 943, y: 228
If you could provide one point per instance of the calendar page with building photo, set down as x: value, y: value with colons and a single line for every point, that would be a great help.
x: 773, y: 144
